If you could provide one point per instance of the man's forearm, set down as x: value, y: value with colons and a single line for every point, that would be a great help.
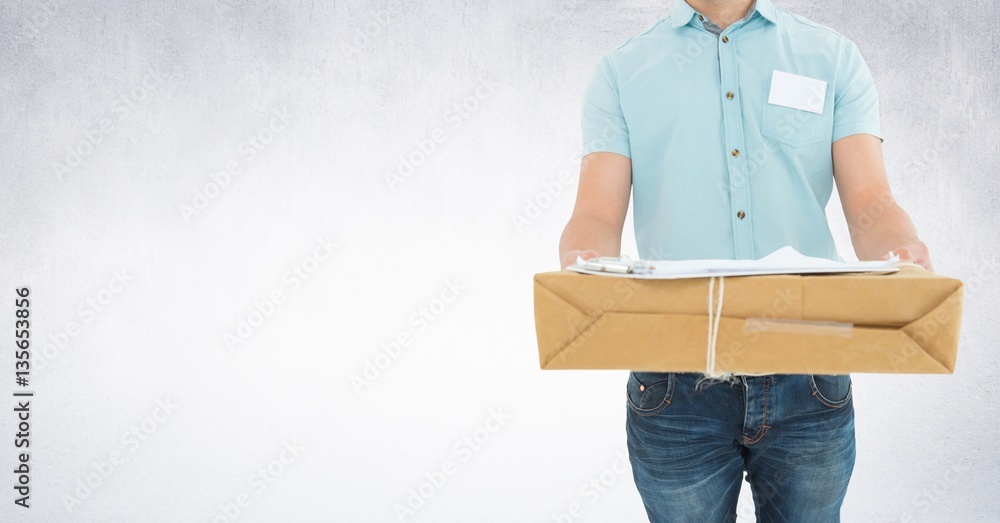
x: 880, y: 229
x: 588, y: 233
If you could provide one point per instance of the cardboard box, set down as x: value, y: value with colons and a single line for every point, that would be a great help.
x: 903, y: 322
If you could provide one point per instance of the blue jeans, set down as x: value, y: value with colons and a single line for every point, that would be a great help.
x: 792, y: 433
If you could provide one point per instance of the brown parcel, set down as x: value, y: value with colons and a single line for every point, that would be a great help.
x: 903, y: 322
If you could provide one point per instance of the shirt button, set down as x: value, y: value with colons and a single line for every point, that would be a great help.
x: 741, y: 215
x: 736, y: 153
x: 729, y: 95
x: 642, y: 388
x: 725, y: 39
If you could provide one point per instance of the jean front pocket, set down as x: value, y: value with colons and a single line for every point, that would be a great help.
x: 648, y: 393
x: 832, y: 390
x: 797, y: 127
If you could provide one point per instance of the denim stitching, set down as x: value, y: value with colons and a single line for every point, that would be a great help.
x: 819, y: 396
x: 763, y: 424
x: 656, y: 410
x: 824, y: 401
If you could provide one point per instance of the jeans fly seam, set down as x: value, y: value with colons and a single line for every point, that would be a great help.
x: 763, y: 424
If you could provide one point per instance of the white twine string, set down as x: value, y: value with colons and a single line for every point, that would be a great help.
x: 714, y: 315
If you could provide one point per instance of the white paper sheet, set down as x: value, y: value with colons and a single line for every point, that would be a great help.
x: 785, y: 260
x: 797, y: 92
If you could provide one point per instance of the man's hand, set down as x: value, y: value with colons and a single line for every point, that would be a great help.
x: 877, y: 223
x: 570, y: 257
x: 915, y: 252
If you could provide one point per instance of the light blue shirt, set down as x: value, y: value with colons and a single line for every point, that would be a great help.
x: 729, y: 176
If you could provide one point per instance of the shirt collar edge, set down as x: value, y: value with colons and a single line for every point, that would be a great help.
x: 682, y: 12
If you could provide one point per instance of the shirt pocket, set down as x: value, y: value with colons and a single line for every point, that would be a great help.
x: 795, y: 127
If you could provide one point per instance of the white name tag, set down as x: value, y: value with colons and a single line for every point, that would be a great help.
x: 797, y: 92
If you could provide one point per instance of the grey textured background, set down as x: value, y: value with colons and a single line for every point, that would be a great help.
x: 158, y: 98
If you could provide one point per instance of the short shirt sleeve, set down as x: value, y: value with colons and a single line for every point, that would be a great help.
x: 602, y: 121
x: 855, y: 106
